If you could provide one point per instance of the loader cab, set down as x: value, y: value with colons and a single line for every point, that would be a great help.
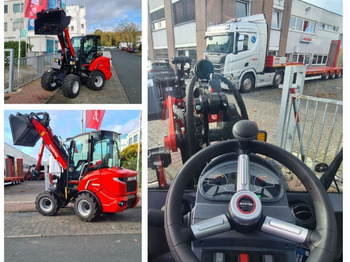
x: 86, y: 48
x: 92, y: 151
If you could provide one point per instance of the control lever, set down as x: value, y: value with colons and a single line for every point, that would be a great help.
x: 244, y: 131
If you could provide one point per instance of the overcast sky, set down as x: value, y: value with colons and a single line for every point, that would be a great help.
x: 106, y: 14
x: 335, y: 6
x: 68, y: 124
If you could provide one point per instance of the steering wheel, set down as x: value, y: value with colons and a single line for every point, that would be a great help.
x: 204, y: 70
x: 245, y: 208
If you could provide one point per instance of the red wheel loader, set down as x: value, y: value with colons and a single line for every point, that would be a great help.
x: 91, y: 174
x: 81, y: 61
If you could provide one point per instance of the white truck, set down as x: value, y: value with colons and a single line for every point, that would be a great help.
x: 237, y: 50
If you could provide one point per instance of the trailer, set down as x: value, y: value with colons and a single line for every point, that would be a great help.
x: 13, y: 177
x: 238, y: 50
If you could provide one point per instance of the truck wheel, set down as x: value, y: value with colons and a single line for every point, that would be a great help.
x: 86, y: 207
x: 326, y: 76
x: 247, y: 83
x: 47, y: 80
x: 333, y: 75
x: 96, y: 80
x: 47, y: 203
x: 277, y: 79
x: 340, y: 74
x: 71, y: 86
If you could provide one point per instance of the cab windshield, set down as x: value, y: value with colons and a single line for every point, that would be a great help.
x: 220, y: 43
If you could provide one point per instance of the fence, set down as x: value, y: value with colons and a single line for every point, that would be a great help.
x: 19, y: 72
x: 310, y: 127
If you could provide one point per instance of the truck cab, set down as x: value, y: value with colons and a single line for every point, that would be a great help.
x: 237, y: 50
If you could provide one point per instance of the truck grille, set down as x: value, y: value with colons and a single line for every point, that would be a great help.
x: 131, y: 200
x: 217, y: 68
x: 131, y: 186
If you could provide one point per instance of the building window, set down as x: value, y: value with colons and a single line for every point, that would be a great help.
x: 300, y: 58
x: 15, y: 26
x: 158, y: 19
x: 6, y: 9
x: 82, y: 26
x: 130, y: 141
x: 302, y: 25
x: 18, y: 8
x: 184, y: 11
x: 329, y: 28
x: 242, y: 9
x: 319, y: 59
x: 5, y: 27
x: 135, y: 138
x: 72, y: 28
x: 276, y: 20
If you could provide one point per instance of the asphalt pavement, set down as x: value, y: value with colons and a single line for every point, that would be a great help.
x: 106, y: 248
x: 29, y: 236
x: 128, y: 69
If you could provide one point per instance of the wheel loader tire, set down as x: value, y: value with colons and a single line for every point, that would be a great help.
x: 86, y: 207
x: 71, y: 86
x: 47, y: 81
x: 47, y: 203
x: 96, y: 80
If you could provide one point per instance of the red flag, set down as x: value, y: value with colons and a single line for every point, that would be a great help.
x: 31, y: 7
x: 94, y: 118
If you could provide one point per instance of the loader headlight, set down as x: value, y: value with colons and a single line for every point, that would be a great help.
x: 56, y: 60
x: 72, y: 63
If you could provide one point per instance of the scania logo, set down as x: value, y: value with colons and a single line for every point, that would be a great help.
x: 246, y: 204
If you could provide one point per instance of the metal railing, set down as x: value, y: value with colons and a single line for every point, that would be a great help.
x: 316, y: 135
x: 19, y: 72
x: 309, y: 127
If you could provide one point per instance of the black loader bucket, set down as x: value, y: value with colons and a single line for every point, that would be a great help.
x: 51, y: 22
x: 23, y: 131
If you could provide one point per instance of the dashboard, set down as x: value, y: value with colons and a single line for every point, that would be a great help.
x: 219, y: 179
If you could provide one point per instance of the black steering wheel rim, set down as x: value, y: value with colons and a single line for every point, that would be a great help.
x: 323, y: 238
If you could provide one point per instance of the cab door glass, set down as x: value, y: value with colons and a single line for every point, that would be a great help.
x: 242, y: 42
x: 101, y: 152
x: 78, y: 156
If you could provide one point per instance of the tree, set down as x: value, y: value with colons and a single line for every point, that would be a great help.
x: 128, y: 156
x: 14, y: 45
x: 129, y: 31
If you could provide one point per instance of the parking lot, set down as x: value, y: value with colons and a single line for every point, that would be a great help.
x: 263, y: 106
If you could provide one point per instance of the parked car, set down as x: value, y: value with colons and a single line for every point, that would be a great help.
x: 130, y: 50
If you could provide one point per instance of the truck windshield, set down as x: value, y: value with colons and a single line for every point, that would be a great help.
x: 220, y: 43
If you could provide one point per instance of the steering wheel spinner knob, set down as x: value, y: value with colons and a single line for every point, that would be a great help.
x: 245, y: 209
x: 245, y: 130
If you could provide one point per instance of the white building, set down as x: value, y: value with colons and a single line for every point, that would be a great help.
x: 14, y: 154
x: 15, y: 22
x: 298, y: 29
x: 131, y: 138
x: 77, y: 26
